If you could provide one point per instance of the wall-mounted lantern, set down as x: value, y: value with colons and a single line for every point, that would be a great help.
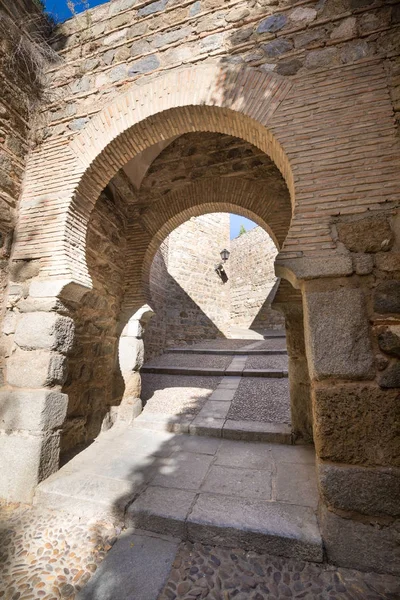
x: 220, y: 267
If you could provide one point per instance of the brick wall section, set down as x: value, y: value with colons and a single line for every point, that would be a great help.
x: 19, y: 95
x: 118, y: 43
x: 190, y: 301
x: 253, y: 281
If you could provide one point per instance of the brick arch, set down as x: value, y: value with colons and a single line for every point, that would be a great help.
x: 249, y: 198
x: 55, y: 211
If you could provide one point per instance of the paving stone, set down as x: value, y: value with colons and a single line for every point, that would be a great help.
x: 210, y: 426
x: 198, y: 445
x: 223, y: 395
x: 254, y: 431
x: 137, y: 566
x: 296, y: 484
x: 293, y: 454
x: 161, y: 510
x: 249, y: 455
x: 214, y: 409
x: 183, y: 470
x: 254, y: 525
x: 230, y: 481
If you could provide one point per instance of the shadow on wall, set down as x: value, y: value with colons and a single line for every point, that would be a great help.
x: 267, y: 317
x: 178, y: 319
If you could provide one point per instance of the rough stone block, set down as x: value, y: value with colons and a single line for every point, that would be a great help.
x: 337, y: 333
x: 36, y: 369
x: 388, y: 261
x: 368, y: 546
x: 161, y: 510
x: 390, y: 378
x: 389, y: 340
x: 356, y: 424
x: 270, y: 527
x: 26, y: 460
x: 131, y: 355
x: 49, y: 331
x: 32, y: 410
x: 364, y: 490
x: 372, y: 234
x: 387, y: 297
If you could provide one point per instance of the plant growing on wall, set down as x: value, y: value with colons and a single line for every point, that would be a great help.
x: 242, y: 230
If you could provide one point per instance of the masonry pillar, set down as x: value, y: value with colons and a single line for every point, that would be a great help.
x: 38, y: 333
x: 131, y: 359
x: 356, y: 413
x: 288, y: 302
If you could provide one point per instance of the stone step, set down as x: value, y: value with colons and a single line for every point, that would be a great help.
x: 262, y: 497
x: 222, y: 352
x: 215, y: 372
x: 216, y: 427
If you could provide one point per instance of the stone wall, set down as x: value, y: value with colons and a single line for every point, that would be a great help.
x: 91, y: 387
x: 123, y: 41
x: 20, y: 95
x: 190, y: 300
x: 253, y: 281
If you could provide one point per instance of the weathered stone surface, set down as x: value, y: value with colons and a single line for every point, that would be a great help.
x: 49, y: 331
x: 356, y: 424
x: 133, y: 386
x: 363, y: 263
x: 26, y: 459
x: 371, y: 234
x: 388, y: 261
x: 389, y: 340
x: 254, y: 525
x: 387, y: 297
x: 346, y: 29
x: 371, y: 491
x: 32, y: 410
x: 318, y: 59
x: 303, y: 14
x: 390, y: 378
x: 277, y: 47
x: 144, y: 65
x: 36, y: 369
x: 152, y: 558
x: 337, y: 335
x: 161, y: 510
x: 272, y: 24
x: 366, y: 546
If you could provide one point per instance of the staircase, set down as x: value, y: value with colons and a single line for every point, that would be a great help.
x: 210, y: 458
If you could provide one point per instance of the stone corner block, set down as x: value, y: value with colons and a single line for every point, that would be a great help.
x: 337, y: 332
x: 26, y: 460
x: 34, y: 410
x: 36, y: 369
x: 367, y: 546
x: 48, y: 331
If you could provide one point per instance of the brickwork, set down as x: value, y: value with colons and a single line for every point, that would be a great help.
x: 313, y: 85
x: 253, y: 281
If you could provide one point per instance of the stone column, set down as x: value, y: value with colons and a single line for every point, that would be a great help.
x: 356, y: 420
x: 288, y: 302
x: 131, y: 358
x: 38, y: 333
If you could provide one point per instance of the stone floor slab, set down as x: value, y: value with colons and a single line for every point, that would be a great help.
x: 223, y: 395
x: 136, y: 567
x: 209, y: 426
x: 296, y: 484
x: 161, y: 510
x: 249, y: 455
x: 253, y: 431
x: 232, y: 481
x: 214, y: 409
x: 183, y: 470
x: 279, y: 529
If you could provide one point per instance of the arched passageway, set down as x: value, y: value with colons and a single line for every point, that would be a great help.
x: 318, y: 255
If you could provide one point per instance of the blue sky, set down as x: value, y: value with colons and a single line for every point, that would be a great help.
x: 61, y: 12
x: 237, y: 221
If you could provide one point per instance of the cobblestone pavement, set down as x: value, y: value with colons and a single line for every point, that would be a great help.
x: 203, y: 361
x: 261, y: 399
x: 223, y: 574
x: 48, y: 555
x: 278, y: 361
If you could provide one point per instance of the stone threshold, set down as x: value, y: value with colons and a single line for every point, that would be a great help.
x: 232, y: 370
x: 259, y: 497
x: 219, y: 352
x: 272, y: 527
